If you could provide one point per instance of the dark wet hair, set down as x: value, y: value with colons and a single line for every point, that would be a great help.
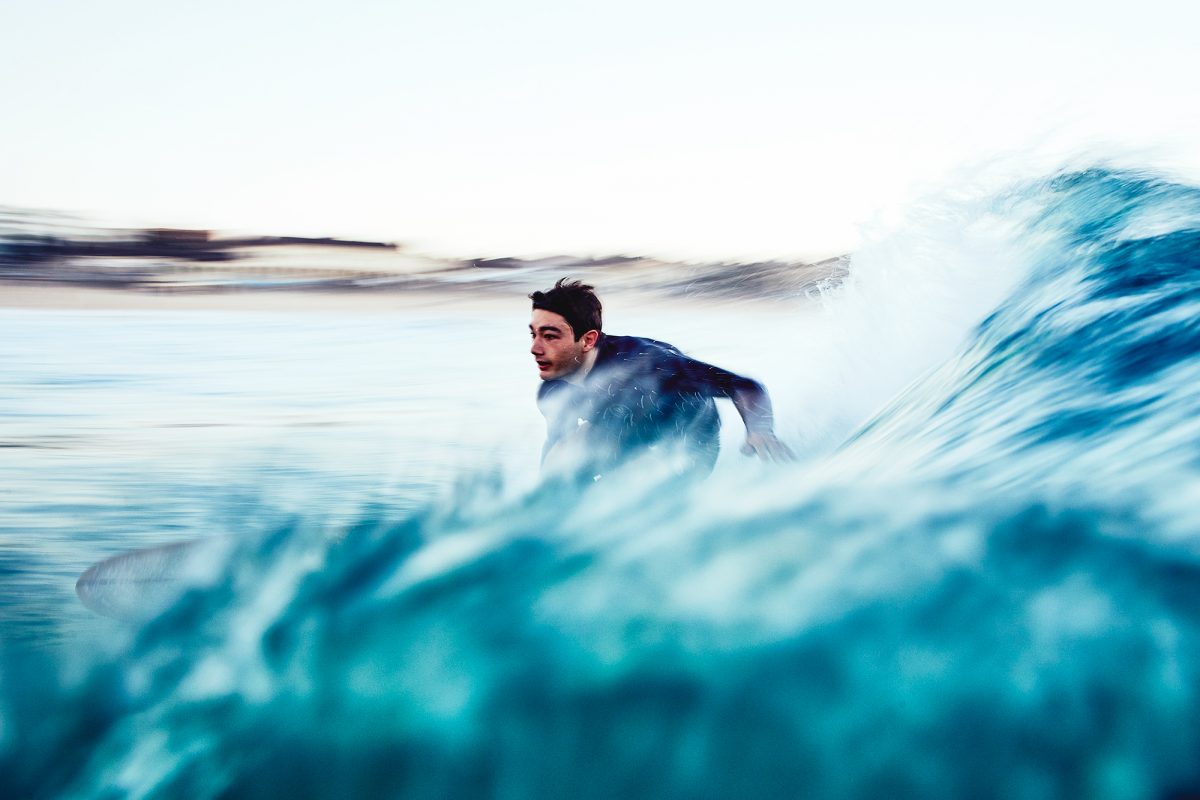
x: 576, y: 302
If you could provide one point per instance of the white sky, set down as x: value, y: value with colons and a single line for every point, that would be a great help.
x: 689, y: 129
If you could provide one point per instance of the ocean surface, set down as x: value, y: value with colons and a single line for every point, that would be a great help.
x: 981, y: 578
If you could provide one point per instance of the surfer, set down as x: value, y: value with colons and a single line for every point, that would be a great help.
x: 607, y: 398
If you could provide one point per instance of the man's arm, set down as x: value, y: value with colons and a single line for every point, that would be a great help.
x: 752, y: 402
x: 754, y: 406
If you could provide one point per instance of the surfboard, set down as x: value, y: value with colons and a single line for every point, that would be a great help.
x: 140, y: 584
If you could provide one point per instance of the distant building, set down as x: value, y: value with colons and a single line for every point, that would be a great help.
x: 175, y: 236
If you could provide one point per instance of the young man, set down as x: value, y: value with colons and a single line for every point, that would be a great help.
x: 608, y: 398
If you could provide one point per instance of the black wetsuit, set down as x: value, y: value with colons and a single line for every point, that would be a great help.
x: 640, y: 394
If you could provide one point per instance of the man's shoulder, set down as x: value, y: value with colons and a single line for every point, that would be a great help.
x: 623, y: 348
x: 649, y: 362
x: 638, y: 363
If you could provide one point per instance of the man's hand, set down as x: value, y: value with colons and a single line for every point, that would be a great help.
x: 767, y: 447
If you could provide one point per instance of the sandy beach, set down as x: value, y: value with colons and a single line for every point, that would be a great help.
x: 68, y: 297
x: 469, y: 298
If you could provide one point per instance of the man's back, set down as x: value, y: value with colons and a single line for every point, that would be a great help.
x: 639, y: 394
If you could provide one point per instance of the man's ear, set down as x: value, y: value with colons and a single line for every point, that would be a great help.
x: 588, y: 340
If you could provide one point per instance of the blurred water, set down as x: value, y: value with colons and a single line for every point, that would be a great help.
x: 131, y: 429
x: 989, y: 589
x: 124, y: 429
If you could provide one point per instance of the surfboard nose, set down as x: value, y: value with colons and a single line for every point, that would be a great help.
x: 85, y: 588
x: 143, y: 583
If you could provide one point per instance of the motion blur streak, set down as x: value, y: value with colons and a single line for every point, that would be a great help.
x: 991, y: 590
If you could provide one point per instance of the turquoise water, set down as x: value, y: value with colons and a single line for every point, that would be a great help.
x: 122, y: 430
x: 982, y: 579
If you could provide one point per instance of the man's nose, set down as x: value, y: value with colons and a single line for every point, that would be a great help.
x: 536, y: 349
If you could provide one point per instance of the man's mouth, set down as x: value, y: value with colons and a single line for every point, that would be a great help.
x: 543, y: 365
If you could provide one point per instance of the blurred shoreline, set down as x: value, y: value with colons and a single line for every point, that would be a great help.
x: 48, y: 262
x: 76, y: 297
x: 65, y: 297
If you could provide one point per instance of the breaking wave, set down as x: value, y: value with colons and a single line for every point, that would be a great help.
x: 992, y: 589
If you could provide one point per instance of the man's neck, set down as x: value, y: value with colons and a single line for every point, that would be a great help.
x: 589, y: 361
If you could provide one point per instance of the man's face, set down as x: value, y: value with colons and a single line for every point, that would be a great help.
x: 554, y: 346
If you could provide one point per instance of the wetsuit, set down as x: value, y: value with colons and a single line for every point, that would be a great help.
x: 640, y: 394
